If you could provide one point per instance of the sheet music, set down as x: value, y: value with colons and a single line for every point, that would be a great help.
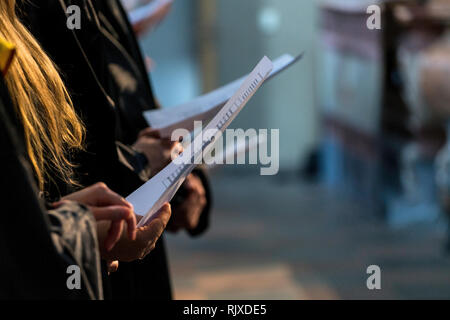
x: 149, y: 198
x: 147, y: 10
x: 203, y: 108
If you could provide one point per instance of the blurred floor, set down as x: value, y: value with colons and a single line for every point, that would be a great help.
x: 274, y: 239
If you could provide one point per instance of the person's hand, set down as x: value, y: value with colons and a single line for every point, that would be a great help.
x: 187, y: 215
x: 159, y: 152
x: 146, y: 237
x: 106, y: 205
x: 112, y: 266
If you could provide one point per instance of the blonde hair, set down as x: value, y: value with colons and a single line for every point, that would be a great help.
x: 52, y: 129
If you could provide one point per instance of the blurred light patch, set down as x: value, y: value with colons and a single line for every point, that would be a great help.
x: 269, y: 20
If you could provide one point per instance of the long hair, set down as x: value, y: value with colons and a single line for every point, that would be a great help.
x: 52, y: 129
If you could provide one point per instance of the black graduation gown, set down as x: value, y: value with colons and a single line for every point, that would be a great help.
x: 37, y: 246
x: 106, y: 75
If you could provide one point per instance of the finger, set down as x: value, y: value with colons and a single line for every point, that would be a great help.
x: 114, y: 233
x: 131, y: 226
x: 176, y: 151
x: 113, y: 266
x: 149, y: 132
x: 168, y: 143
x: 192, y: 198
x: 195, y: 188
x: 177, y: 148
x: 116, y: 213
x: 59, y: 203
x: 188, y: 185
x: 203, y: 201
x: 199, y: 189
x: 112, y: 213
x: 107, y: 197
x: 150, y: 234
x: 164, y: 213
x: 198, y: 185
x: 153, y: 230
x: 193, y: 219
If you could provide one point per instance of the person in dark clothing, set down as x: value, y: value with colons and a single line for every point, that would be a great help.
x: 36, y: 115
x: 24, y: 274
x: 54, y: 237
x: 43, y: 233
x: 110, y: 87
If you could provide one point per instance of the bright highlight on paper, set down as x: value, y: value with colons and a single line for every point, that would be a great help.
x: 203, y: 108
x: 149, y: 198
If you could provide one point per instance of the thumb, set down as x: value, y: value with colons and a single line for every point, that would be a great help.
x: 157, y: 224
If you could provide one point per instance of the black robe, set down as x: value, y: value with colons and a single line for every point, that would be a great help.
x: 106, y: 75
x: 37, y: 246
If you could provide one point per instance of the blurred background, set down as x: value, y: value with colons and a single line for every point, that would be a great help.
x: 364, y: 159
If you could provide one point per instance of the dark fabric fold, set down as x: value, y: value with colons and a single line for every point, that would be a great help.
x: 37, y: 246
x: 106, y: 75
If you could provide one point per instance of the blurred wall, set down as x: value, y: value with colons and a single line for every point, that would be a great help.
x: 242, y: 32
x: 247, y: 30
x: 171, y: 45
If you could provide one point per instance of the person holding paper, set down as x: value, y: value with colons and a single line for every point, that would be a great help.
x: 62, y: 237
x: 37, y: 127
x: 106, y: 74
x: 42, y: 238
x: 39, y: 131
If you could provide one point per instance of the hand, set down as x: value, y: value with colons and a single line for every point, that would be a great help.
x: 187, y: 215
x: 159, y: 152
x: 112, y: 266
x: 106, y: 205
x: 146, y: 237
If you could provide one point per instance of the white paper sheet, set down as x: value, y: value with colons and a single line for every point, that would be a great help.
x: 149, y: 198
x: 203, y: 108
x: 145, y: 11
